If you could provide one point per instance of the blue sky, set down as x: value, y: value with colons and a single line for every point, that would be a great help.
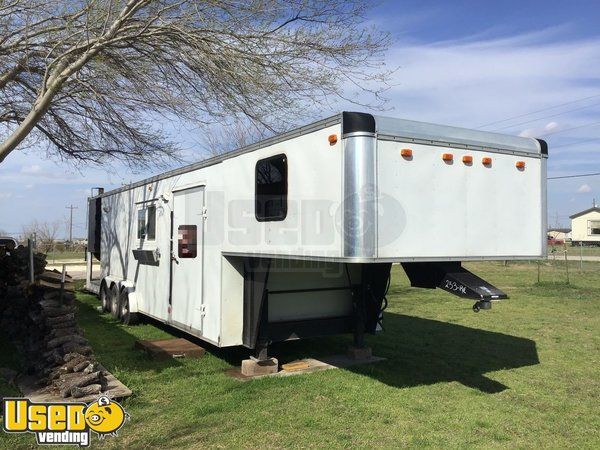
x: 463, y: 63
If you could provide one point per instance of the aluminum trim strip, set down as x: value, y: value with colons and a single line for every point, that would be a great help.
x: 310, y: 128
x: 360, y: 190
x: 389, y: 260
x: 458, y: 145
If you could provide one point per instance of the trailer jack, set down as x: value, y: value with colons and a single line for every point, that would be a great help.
x: 482, y: 304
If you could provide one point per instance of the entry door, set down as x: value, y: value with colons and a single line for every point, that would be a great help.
x: 187, y: 258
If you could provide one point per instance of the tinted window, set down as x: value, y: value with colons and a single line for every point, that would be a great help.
x: 151, y: 223
x: 271, y: 188
x: 141, y: 225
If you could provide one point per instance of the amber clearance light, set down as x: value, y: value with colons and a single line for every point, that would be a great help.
x: 447, y: 157
x: 487, y: 161
x: 332, y: 139
x: 467, y: 159
x: 520, y: 164
x: 406, y: 152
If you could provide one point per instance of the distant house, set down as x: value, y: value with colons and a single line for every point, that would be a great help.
x: 585, y: 226
x: 559, y: 234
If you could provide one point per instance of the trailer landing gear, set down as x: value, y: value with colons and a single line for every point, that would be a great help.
x: 359, y: 349
x: 261, y: 364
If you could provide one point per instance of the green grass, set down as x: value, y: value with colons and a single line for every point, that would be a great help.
x: 573, y: 250
x: 61, y: 256
x: 524, y: 374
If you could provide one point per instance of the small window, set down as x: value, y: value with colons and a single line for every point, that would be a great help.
x: 187, y: 243
x: 151, y: 223
x: 593, y: 227
x: 271, y: 189
x: 141, y: 225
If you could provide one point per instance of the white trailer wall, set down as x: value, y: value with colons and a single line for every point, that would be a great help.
x: 432, y: 209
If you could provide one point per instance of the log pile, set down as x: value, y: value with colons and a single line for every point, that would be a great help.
x: 40, y: 320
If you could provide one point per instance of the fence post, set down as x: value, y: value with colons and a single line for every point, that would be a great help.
x: 567, y: 264
x: 62, y: 284
x: 581, y: 256
x: 31, y: 268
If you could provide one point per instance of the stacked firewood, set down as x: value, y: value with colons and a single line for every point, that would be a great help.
x: 40, y: 320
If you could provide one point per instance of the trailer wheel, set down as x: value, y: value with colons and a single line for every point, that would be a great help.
x: 127, y: 317
x: 104, y: 298
x: 114, y: 302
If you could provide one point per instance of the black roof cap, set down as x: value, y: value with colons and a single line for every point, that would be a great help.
x: 543, y: 146
x: 353, y: 122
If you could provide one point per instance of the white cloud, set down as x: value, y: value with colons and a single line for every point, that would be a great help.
x: 29, y: 186
x: 5, y: 195
x: 584, y: 189
x: 471, y: 83
x: 540, y: 131
x: 33, y: 169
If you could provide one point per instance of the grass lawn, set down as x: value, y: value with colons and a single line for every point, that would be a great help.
x: 61, y: 256
x: 573, y: 250
x: 525, y: 374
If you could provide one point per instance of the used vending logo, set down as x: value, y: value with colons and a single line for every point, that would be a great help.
x: 64, y: 423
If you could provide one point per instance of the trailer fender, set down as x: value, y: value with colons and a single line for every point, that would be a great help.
x: 129, y: 286
x: 109, y: 281
x: 132, y: 295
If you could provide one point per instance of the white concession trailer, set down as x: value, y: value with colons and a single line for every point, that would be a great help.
x: 294, y: 236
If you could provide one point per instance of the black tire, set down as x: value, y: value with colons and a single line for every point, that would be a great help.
x: 115, y: 311
x: 104, y: 298
x: 127, y: 317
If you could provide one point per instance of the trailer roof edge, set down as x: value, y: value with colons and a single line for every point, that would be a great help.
x: 315, y: 126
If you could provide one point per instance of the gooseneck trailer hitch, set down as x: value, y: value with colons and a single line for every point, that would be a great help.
x: 453, y: 278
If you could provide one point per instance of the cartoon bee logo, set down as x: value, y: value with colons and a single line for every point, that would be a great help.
x: 105, y: 416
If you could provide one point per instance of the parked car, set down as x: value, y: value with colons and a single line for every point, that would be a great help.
x: 553, y: 241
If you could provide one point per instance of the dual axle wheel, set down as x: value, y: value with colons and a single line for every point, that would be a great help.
x: 117, y: 303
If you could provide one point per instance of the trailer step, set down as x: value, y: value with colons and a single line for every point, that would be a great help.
x: 170, y: 348
x: 453, y: 278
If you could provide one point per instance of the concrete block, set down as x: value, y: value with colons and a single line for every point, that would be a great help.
x: 253, y: 367
x: 358, y: 353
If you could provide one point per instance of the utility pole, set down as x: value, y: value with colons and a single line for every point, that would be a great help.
x: 71, y: 207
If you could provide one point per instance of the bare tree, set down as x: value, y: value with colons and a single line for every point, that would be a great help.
x: 45, y: 234
x: 219, y: 139
x: 93, y: 79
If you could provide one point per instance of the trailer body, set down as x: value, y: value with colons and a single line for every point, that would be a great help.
x: 294, y: 236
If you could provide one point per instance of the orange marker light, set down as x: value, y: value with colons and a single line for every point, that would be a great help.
x: 332, y: 139
x: 406, y: 152
x: 467, y: 159
x: 486, y: 161
x: 447, y: 157
x: 520, y: 164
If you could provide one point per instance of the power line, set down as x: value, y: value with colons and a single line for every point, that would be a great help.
x: 575, y: 143
x: 545, y: 117
x: 538, y: 111
x: 575, y: 176
x: 572, y: 128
